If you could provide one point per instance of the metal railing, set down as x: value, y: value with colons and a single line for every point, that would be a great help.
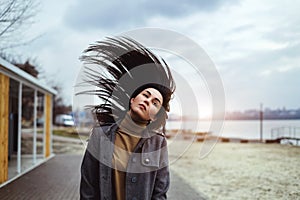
x: 285, y: 132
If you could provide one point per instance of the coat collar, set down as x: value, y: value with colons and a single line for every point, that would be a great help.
x: 112, y: 128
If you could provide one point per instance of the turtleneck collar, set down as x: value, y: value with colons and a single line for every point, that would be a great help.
x: 129, y: 126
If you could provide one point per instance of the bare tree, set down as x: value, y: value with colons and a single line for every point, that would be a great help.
x: 16, y: 16
x: 29, y: 68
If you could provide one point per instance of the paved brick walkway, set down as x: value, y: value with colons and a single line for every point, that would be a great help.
x: 179, y: 190
x: 59, y: 179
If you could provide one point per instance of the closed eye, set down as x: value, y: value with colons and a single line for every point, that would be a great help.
x: 156, y: 103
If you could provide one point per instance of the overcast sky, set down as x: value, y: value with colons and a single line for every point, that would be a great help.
x: 254, y: 44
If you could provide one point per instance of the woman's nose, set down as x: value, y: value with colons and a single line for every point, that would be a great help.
x: 146, y: 101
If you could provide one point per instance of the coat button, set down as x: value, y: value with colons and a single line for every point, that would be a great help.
x: 133, y: 179
x: 147, y: 161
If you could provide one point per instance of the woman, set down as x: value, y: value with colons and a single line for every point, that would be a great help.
x: 126, y: 156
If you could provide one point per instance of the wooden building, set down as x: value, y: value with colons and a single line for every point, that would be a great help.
x: 25, y: 122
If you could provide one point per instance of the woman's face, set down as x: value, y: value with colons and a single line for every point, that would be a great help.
x: 146, y: 105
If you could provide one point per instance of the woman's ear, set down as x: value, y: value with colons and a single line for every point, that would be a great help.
x: 131, y: 101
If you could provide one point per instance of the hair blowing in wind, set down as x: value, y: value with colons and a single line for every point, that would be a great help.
x: 119, y: 67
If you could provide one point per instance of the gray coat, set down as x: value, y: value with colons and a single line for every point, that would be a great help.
x: 147, y: 176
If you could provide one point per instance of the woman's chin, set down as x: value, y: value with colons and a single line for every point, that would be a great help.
x: 139, y: 117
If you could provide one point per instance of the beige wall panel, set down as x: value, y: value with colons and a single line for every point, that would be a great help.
x: 4, y: 105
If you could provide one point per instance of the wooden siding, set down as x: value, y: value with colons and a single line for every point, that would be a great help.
x: 48, y: 123
x: 4, y: 105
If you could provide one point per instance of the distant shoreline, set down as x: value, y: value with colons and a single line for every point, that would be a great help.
x: 231, y: 119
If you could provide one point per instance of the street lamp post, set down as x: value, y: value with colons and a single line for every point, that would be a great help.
x: 261, y: 116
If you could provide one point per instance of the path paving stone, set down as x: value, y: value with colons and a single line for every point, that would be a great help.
x: 59, y: 179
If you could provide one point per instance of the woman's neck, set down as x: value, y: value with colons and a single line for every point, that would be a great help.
x: 137, y: 120
x: 130, y: 126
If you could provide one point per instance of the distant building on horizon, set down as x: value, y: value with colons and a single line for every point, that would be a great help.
x: 268, y: 114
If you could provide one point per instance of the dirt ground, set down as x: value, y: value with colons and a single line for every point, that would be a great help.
x: 230, y: 170
x: 241, y: 170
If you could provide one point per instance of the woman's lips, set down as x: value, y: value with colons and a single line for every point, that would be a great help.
x: 143, y: 106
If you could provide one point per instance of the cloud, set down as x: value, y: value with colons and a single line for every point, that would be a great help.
x: 94, y: 14
x: 255, y: 45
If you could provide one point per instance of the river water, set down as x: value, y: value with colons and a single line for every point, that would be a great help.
x: 245, y: 129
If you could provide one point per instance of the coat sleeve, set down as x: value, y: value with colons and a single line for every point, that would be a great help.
x: 162, y: 180
x: 89, y: 184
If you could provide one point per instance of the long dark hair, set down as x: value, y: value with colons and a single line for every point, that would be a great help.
x: 120, y: 68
